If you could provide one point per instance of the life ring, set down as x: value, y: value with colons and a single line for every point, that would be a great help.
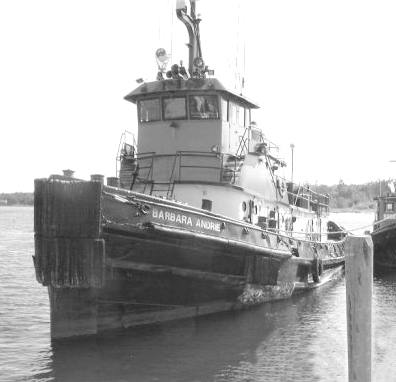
x: 317, y: 269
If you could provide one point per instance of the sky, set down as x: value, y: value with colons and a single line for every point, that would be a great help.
x: 323, y: 73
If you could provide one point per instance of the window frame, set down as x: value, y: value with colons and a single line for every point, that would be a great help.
x: 185, y: 108
x: 191, y: 118
x: 159, y: 109
x: 247, y: 117
x: 240, y: 115
x: 232, y: 112
x: 224, y: 111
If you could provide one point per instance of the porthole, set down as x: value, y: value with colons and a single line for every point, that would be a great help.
x: 243, y: 206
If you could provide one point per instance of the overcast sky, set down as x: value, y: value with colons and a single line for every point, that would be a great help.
x: 323, y: 73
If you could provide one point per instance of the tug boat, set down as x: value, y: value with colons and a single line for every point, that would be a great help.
x: 384, y: 232
x: 199, y: 219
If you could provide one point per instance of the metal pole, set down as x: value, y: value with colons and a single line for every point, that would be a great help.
x: 292, y: 152
x: 359, y: 292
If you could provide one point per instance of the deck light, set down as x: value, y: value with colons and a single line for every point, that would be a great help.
x: 175, y: 71
x: 161, y: 55
x: 199, y: 63
x: 162, y: 59
x: 183, y: 72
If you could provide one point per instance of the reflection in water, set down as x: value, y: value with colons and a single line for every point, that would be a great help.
x: 300, y: 339
x: 277, y: 341
x: 384, y: 331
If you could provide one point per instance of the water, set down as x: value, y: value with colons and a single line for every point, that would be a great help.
x: 301, y: 339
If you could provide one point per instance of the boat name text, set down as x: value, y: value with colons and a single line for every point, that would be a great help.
x: 186, y: 220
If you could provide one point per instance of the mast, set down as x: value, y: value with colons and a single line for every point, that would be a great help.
x: 196, y: 64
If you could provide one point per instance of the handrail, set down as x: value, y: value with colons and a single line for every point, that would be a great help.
x: 122, y: 142
x: 193, y: 153
x: 242, y: 144
x: 178, y: 164
x: 320, y: 197
x: 202, y: 154
x: 309, y: 190
x: 171, y: 179
x: 306, y: 191
x: 148, y: 154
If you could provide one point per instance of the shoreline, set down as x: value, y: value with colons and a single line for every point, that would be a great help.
x: 333, y: 210
x: 16, y: 205
x: 352, y: 210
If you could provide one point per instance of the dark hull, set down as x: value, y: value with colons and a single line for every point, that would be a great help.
x: 112, y: 258
x: 384, y: 240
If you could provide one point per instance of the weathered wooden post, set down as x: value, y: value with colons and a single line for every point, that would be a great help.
x: 69, y: 252
x: 359, y: 291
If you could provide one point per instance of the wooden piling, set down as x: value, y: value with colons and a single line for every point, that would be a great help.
x: 69, y: 252
x: 359, y: 291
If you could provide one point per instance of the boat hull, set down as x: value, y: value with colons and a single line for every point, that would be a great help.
x: 384, y: 240
x: 113, y: 258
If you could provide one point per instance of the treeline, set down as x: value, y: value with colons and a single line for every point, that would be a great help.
x: 353, y: 196
x: 17, y: 198
x: 342, y: 196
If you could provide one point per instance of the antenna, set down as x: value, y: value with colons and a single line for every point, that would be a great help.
x: 196, y: 65
x: 239, y: 67
x: 244, y: 66
x: 171, y: 31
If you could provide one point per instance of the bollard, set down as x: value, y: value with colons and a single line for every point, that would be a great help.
x: 97, y: 178
x: 359, y: 291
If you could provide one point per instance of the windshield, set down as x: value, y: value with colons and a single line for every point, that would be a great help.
x: 175, y: 108
x: 204, y: 107
x: 149, y: 110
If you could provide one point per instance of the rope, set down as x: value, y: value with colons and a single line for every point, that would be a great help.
x: 384, y: 219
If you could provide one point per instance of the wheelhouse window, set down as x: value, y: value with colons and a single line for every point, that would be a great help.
x: 224, y: 109
x: 149, y: 110
x: 247, y: 117
x: 389, y: 207
x: 204, y: 107
x: 174, y: 108
x: 240, y: 116
x: 232, y: 113
x: 236, y: 114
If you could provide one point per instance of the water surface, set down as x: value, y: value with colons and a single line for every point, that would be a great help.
x: 301, y: 339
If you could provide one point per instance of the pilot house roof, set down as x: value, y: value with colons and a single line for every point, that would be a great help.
x: 182, y: 86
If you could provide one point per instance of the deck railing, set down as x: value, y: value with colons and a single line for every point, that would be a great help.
x: 202, y: 166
